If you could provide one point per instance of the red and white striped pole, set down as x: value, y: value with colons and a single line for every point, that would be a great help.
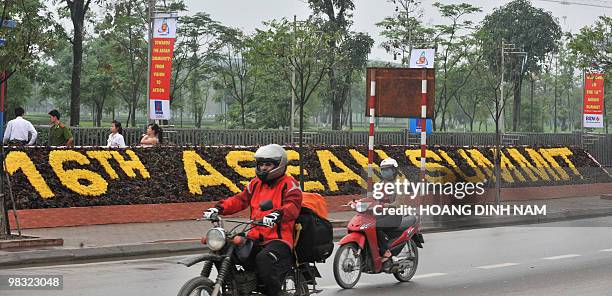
x: 423, y: 124
x: 371, y: 105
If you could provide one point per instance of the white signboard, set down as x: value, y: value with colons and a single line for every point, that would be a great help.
x: 422, y: 58
x: 160, y: 110
x: 593, y: 120
x: 164, y: 25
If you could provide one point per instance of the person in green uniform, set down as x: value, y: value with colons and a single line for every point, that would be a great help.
x: 59, y: 135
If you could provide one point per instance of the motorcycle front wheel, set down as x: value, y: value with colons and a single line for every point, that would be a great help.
x: 198, y: 286
x: 347, y: 265
x: 412, y: 252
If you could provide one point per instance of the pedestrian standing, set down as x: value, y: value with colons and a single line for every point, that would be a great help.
x: 59, y: 135
x: 115, y: 139
x: 19, y: 132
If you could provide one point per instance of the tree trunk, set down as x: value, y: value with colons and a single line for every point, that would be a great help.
x: 77, y: 14
x: 531, y: 110
x: 555, y: 104
x: 133, y: 111
x: 242, y: 114
x: 516, y: 114
x: 570, y: 112
x: 336, y: 114
x: 99, y: 110
x: 350, y: 107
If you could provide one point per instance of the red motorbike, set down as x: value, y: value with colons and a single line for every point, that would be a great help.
x: 359, y: 251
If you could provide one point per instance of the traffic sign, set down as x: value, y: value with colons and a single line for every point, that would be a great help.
x: 9, y: 24
x: 2, y: 42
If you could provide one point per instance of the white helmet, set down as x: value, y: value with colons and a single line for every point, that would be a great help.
x: 389, y: 169
x: 273, y: 153
x: 388, y: 162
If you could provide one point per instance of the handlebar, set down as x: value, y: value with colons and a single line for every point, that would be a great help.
x: 216, y: 219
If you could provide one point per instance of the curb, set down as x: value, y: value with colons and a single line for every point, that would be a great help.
x: 18, y: 259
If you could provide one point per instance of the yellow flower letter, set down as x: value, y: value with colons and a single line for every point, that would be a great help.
x: 102, y: 157
x: 444, y: 174
x: 294, y: 170
x: 129, y: 166
x: 326, y: 158
x: 195, y: 181
x: 70, y: 178
x: 18, y: 160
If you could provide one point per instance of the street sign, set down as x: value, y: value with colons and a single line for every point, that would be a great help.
x: 398, y: 91
x: 416, y: 126
x: 422, y: 58
x: 9, y: 24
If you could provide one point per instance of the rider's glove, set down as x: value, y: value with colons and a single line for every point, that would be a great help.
x: 271, y: 219
x: 211, y: 213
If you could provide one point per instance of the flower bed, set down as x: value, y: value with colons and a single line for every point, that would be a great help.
x: 90, y: 176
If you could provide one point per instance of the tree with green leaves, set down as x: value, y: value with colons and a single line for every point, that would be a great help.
x: 78, y: 10
x: 197, y: 47
x: 238, y: 72
x: 592, y: 47
x: 531, y: 30
x: 453, y: 47
x: 348, y: 51
x: 125, y: 28
x: 405, y: 30
x: 98, y: 77
x: 34, y: 35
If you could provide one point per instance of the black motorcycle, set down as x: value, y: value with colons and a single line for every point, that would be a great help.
x: 229, y: 251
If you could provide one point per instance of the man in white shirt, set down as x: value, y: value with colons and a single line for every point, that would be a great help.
x: 18, y: 130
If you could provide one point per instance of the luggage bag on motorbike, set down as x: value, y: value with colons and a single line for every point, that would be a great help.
x: 314, y: 233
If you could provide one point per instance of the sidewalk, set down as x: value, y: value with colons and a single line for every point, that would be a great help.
x: 139, y: 239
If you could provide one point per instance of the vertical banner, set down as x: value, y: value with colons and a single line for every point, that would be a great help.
x: 162, y: 48
x: 593, y: 100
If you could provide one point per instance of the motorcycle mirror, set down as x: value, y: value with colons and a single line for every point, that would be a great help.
x: 265, y: 205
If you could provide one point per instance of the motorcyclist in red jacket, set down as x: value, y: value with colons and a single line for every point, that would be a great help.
x: 272, y: 255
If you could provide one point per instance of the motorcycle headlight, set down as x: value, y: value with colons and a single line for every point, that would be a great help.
x: 362, y: 206
x: 215, y: 238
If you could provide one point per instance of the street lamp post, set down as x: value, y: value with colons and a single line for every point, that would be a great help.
x: 506, y: 48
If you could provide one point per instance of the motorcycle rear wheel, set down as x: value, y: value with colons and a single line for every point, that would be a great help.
x: 197, y: 286
x: 407, y: 274
x: 350, y: 261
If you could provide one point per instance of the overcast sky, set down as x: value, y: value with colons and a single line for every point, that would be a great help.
x: 248, y: 14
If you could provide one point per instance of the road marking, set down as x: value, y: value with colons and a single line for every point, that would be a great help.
x: 606, y: 250
x: 360, y: 284
x: 109, y: 262
x: 562, y: 257
x: 497, y: 265
x: 428, y: 275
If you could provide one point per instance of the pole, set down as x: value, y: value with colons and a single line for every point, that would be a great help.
x: 582, y: 134
x: 501, y: 116
x: 148, y: 98
x: 301, y: 149
x: 423, y: 125
x: 5, y: 227
x: 372, y: 106
x: 292, y: 126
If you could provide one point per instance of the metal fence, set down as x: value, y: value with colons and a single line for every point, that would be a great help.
x: 599, y: 145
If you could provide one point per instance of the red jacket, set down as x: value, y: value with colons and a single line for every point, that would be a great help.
x: 286, y: 198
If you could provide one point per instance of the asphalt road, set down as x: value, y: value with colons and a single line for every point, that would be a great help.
x: 563, y: 258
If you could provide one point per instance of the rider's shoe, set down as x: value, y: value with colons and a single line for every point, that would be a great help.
x: 387, y: 265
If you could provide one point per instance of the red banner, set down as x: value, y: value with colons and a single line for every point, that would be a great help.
x: 161, y: 68
x: 593, y: 99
